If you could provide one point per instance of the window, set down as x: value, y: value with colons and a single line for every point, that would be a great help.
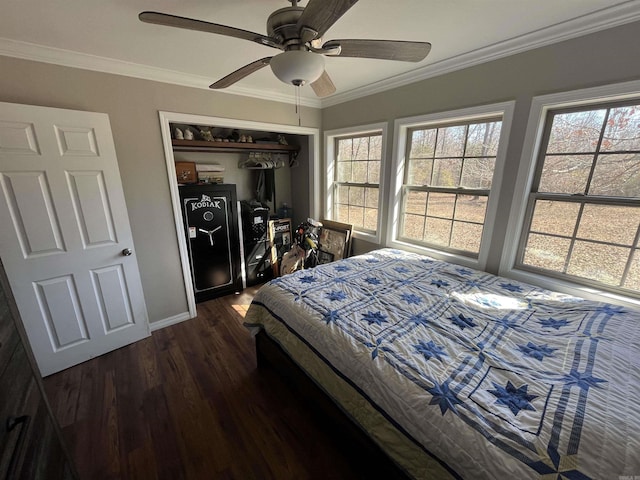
x: 355, y: 163
x: 445, y: 182
x: 582, y: 220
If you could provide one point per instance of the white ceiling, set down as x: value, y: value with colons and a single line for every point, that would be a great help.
x: 106, y: 35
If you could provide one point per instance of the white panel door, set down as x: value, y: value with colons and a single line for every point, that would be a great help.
x: 65, y: 238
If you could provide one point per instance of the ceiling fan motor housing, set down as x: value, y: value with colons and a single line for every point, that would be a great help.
x: 283, y: 24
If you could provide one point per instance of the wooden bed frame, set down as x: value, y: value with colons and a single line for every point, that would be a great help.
x: 351, y: 438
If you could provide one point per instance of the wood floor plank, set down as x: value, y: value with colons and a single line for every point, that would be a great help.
x: 189, y: 403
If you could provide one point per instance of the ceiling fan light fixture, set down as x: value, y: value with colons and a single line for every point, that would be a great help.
x: 297, y: 67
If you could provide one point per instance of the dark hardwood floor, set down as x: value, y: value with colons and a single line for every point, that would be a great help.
x: 189, y: 403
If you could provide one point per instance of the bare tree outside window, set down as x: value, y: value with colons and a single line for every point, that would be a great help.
x: 583, y: 218
x: 357, y: 181
x: 447, y: 181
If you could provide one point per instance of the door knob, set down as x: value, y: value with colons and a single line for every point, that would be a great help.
x: 126, y: 252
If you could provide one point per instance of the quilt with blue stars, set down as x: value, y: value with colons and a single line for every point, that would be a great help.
x: 493, y: 378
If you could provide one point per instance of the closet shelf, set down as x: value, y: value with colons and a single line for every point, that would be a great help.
x: 205, y: 146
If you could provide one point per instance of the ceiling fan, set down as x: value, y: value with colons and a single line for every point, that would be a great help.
x: 298, y: 31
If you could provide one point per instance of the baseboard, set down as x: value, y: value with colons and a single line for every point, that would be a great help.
x: 181, y: 317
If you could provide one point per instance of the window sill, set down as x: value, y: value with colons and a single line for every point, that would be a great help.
x: 582, y: 291
x: 438, y: 254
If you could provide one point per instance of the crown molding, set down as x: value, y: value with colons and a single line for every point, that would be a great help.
x: 594, y: 22
x: 586, y: 24
x: 68, y: 58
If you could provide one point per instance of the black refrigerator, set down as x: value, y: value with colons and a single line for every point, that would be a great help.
x: 210, y: 216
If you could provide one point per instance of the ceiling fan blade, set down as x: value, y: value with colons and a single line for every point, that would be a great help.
x: 381, y: 49
x: 323, y: 86
x: 202, y: 26
x: 320, y: 15
x: 241, y: 73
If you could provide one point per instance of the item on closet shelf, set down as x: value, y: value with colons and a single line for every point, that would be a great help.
x: 243, y: 138
x: 178, y: 135
x: 188, y: 135
x: 282, y: 140
x: 249, y: 139
x: 206, y: 135
x: 186, y: 172
x: 210, y: 172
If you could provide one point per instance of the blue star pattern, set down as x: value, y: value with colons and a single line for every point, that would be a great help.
x: 511, y: 287
x: 419, y: 319
x: 463, y: 322
x: 331, y: 316
x: 335, y: 295
x: 372, y: 281
x: 582, y: 380
x: 307, y: 279
x: 402, y: 270
x: 515, y: 399
x: 444, y: 397
x: 439, y: 283
x: 537, y: 351
x: 374, y: 317
x: 430, y: 350
x: 553, y: 323
x: 411, y: 298
x: 464, y: 271
x: 341, y: 268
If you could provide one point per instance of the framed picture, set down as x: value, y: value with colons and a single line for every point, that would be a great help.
x: 335, y: 239
x: 324, y: 257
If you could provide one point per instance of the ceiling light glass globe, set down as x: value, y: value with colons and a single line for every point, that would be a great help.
x: 297, y: 67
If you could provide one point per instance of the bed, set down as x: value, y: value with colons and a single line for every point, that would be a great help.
x: 456, y: 373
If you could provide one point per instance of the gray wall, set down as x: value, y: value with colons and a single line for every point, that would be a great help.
x: 133, y: 105
x: 605, y: 57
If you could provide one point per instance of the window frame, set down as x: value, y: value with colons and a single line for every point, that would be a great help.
x: 403, y: 127
x: 521, y: 216
x: 330, y: 139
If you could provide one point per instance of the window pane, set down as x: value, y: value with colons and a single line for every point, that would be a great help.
x: 441, y: 205
x: 342, y: 213
x: 565, y: 174
x: 558, y: 218
x: 361, y: 148
x: 371, y: 219
x: 373, y: 175
x: 623, y: 129
x: 356, y: 196
x: 611, y: 224
x: 477, y: 172
x: 437, y: 231
x: 416, y: 202
x: 344, y: 171
x: 451, y: 141
x: 446, y: 172
x: 419, y: 172
x: 482, y: 139
x: 356, y: 216
x: 345, y: 150
x: 423, y: 143
x: 576, y: 132
x: 609, y: 267
x: 466, y: 236
x: 617, y: 175
x: 413, y: 226
x: 342, y: 194
x: 546, y: 252
x: 359, y: 172
x: 471, y: 208
x: 375, y: 147
x: 371, y: 197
